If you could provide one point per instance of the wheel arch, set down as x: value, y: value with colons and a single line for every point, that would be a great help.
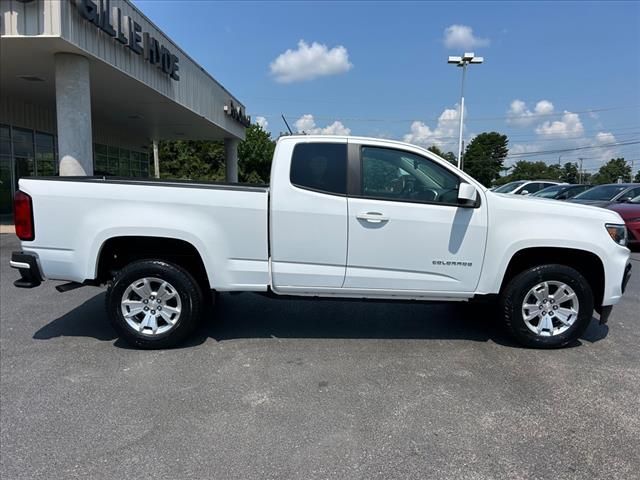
x: 587, y: 263
x: 118, y: 251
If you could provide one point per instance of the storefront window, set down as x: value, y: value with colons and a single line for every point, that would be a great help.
x: 5, y: 170
x: 23, y: 153
x: 45, y: 154
x: 121, y: 162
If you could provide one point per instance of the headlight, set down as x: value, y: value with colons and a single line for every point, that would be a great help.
x: 618, y: 233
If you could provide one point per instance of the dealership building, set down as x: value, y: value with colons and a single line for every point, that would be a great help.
x: 90, y: 86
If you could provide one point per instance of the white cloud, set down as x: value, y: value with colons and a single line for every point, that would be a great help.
x: 461, y: 36
x: 569, y: 126
x: 443, y: 136
x: 605, y: 137
x: 262, y: 121
x: 519, y: 114
x: 307, y: 124
x: 310, y: 61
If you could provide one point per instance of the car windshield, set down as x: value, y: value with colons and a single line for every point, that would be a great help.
x: 509, y: 187
x: 549, y: 192
x: 603, y: 192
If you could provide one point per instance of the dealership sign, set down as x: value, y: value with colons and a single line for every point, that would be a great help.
x: 237, y: 113
x: 129, y: 33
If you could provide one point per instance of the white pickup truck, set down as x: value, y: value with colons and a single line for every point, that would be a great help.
x: 342, y: 217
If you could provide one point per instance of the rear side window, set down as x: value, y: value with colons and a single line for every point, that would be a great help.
x: 320, y: 166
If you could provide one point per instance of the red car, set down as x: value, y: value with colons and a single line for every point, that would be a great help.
x: 630, y: 212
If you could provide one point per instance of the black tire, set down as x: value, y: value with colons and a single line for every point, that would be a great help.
x: 514, y: 293
x: 186, y: 287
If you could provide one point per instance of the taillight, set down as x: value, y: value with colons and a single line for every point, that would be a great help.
x: 23, y: 216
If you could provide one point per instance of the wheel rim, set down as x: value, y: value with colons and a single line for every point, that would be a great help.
x: 151, y: 306
x: 550, y: 308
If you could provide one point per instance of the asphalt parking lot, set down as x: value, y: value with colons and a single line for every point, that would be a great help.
x: 273, y: 389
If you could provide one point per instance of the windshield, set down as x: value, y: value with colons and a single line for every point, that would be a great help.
x: 548, y: 192
x: 603, y: 192
x: 509, y: 187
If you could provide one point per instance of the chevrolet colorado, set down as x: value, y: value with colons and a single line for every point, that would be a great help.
x: 342, y: 217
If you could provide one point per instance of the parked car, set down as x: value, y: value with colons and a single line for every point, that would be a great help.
x: 630, y: 213
x: 561, y: 192
x: 524, y: 187
x: 603, y: 195
x: 343, y: 217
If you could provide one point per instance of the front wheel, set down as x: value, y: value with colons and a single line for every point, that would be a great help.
x: 154, y: 304
x: 547, y: 306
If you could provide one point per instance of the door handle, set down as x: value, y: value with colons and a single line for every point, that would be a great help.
x: 372, y: 217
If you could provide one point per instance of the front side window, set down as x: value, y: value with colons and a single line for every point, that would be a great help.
x: 390, y: 174
x: 320, y: 166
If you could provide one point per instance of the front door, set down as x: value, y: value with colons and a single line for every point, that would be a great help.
x: 406, y: 229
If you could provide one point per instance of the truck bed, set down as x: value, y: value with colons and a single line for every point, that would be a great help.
x: 226, y: 223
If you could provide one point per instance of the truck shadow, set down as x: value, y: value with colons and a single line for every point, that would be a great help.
x: 246, y: 315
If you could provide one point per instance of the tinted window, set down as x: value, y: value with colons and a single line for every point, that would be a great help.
x: 320, y: 166
x: 603, y: 192
x: 572, y: 192
x: 550, y: 192
x: 632, y: 193
x: 509, y: 187
x: 398, y: 175
x: 531, y: 188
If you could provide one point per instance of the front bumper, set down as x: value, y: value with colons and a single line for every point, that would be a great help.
x: 605, y: 311
x: 27, y: 264
x: 626, y: 277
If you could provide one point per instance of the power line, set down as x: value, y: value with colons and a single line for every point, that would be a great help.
x: 561, y: 150
x: 471, y: 119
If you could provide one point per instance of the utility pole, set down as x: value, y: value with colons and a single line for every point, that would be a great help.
x: 580, y: 171
x: 463, y: 61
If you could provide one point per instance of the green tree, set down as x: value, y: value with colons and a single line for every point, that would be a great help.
x: 637, y: 177
x: 449, y: 156
x: 192, y: 160
x: 611, y: 171
x: 205, y: 160
x: 569, y: 173
x: 524, y: 170
x: 255, y: 153
x: 485, y: 155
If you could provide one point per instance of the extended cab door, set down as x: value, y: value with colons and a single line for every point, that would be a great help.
x: 406, y: 229
x: 308, y: 222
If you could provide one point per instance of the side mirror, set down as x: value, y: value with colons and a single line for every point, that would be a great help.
x: 467, y: 195
x: 524, y: 192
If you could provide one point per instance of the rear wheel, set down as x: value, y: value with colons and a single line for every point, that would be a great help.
x: 548, y: 306
x: 154, y: 304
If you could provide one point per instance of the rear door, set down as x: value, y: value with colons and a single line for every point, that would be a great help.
x: 309, y: 214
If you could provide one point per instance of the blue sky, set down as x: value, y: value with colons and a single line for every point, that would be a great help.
x: 556, y: 75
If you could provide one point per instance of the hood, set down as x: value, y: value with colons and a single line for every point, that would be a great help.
x: 626, y: 210
x: 593, y: 203
x: 552, y: 207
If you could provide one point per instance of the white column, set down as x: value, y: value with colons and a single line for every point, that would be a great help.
x: 73, y: 113
x: 156, y: 159
x: 231, y: 159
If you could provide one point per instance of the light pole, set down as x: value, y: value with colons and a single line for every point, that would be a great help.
x: 463, y: 61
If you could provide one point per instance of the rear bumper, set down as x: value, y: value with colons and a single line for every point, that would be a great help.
x: 27, y: 264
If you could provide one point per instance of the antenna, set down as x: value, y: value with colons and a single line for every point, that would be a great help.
x: 288, y: 127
